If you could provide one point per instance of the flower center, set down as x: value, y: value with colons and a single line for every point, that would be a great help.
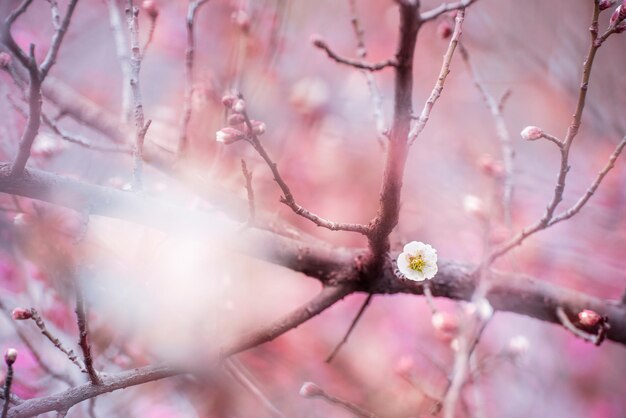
x: 417, y: 263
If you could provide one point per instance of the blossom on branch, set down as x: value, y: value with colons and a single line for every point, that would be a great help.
x: 418, y: 261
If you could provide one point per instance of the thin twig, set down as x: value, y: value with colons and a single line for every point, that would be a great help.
x: 7, y: 386
x: 362, y: 65
x: 121, y: 47
x: 444, y: 8
x: 377, y: 102
x: 287, y: 197
x: 421, y: 121
x: 565, y: 146
x: 141, y: 126
x: 348, y: 406
x: 55, y: 341
x: 235, y: 371
x: 250, y: 191
x: 83, y: 341
x: 356, y: 319
x: 502, y: 132
x: 183, y: 140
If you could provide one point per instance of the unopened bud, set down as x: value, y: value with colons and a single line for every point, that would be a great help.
x: 310, y: 390
x: 241, y: 18
x: 445, y: 322
x: 228, y: 135
x: 605, y: 4
x: 5, y: 60
x: 444, y: 29
x: 228, y: 100
x: 531, y: 133
x: 518, y: 346
x: 151, y: 8
x: 490, y: 166
x: 621, y: 27
x: 589, y: 318
x: 317, y: 40
x: 10, y: 356
x: 239, y: 106
x: 258, y: 127
x: 404, y: 366
x: 236, y: 119
x: 481, y: 308
x: 20, y: 314
x: 474, y: 206
x: 618, y: 15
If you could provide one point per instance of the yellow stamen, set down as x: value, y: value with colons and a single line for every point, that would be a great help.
x: 417, y: 263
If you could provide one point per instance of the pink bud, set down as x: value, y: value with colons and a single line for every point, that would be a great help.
x: 228, y: 100
x: 605, y: 4
x: 490, y: 166
x: 236, y: 119
x: 317, y: 40
x: 258, y: 127
x: 20, y: 314
x: 618, y: 15
x: 228, y: 135
x: 239, y: 106
x: 10, y: 356
x: 310, y: 390
x: 531, y: 133
x: 589, y: 318
x: 5, y: 59
x: 444, y: 29
x: 151, y: 8
x: 241, y: 18
x: 404, y: 366
x: 445, y: 322
x: 621, y: 27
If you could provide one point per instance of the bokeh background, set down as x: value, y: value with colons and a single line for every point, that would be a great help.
x: 154, y: 296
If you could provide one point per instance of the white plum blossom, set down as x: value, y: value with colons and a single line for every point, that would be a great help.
x: 519, y: 345
x: 418, y: 261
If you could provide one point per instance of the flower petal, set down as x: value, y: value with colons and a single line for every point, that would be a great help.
x: 413, y: 247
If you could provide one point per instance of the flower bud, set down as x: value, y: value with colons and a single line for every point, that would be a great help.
x: 310, y: 390
x: 258, y: 127
x: 490, y: 166
x: 404, y: 366
x: 474, y: 206
x: 5, y: 60
x: 618, y: 15
x: 228, y: 100
x: 10, y: 356
x: 445, y: 323
x: 236, y: 119
x: 589, y: 318
x: 228, y: 135
x: 20, y: 219
x: 151, y: 8
x: 605, y: 4
x: 531, y: 133
x: 239, y: 106
x: 518, y: 346
x: 20, y: 314
x: 621, y: 27
x: 481, y: 307
x: 444, y: 30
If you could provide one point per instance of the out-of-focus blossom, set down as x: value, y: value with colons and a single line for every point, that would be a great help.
x: 490, y: 166
x: 46, y: 146
x: 481, y: 308
x: 404, y: 366
x: 309, y: 94
x: 21, y: 219
x: 474, y: 206
x: 241, y: 18
x: 10, y: 356
x: 228, y: 100
x: 310, y: 390
x: 418, y: 261
x: 444, y: 29
x: 531, y: 133
x: 445, y: 322
x: 20, y: 314
x: 518, y: 346
x: 150, y: 7
x: 239, y: 106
